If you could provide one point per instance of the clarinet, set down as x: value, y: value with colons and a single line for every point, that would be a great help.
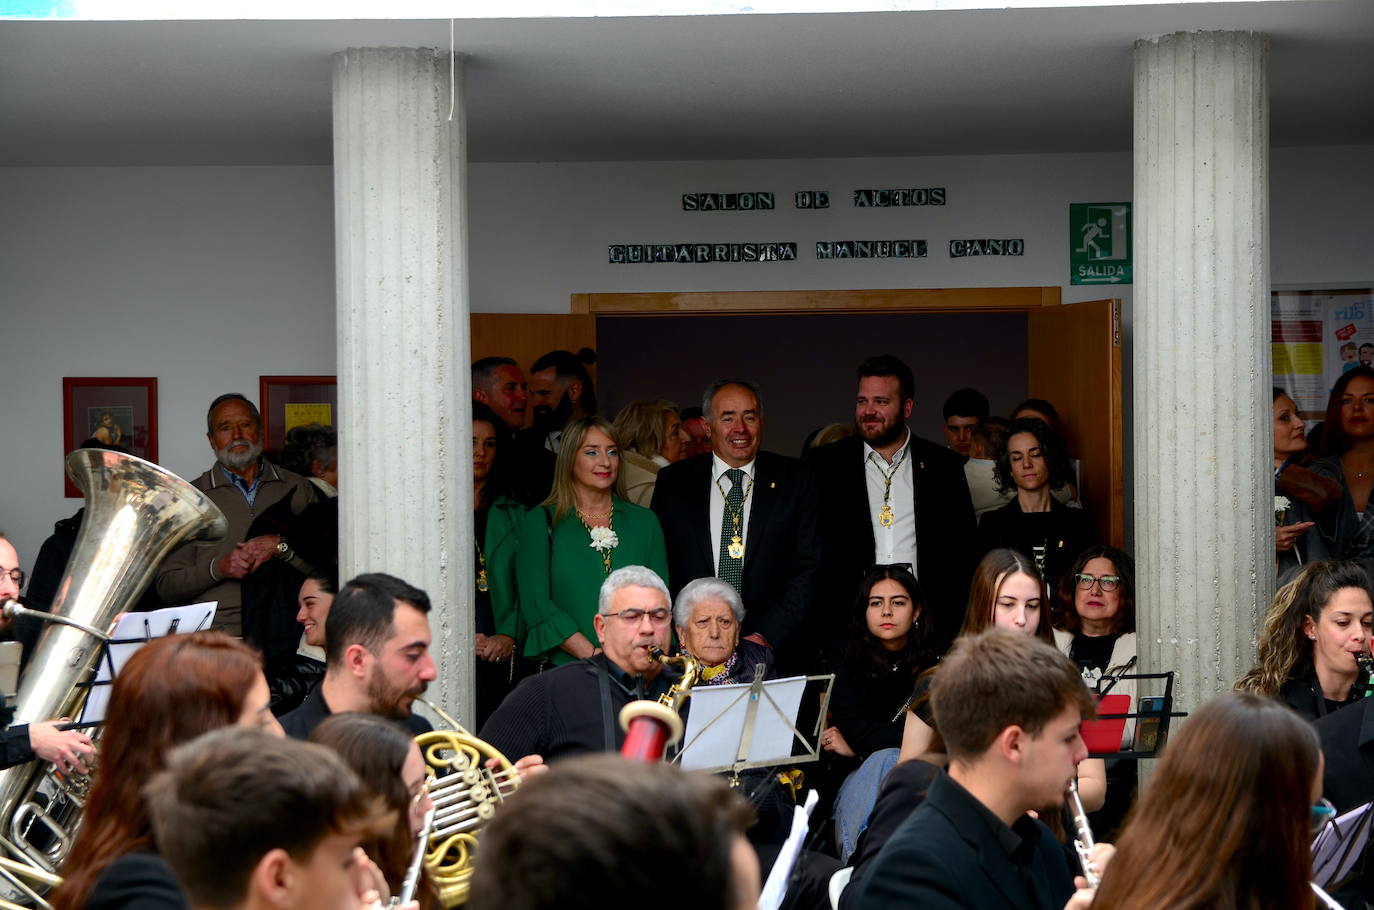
x: 1083, y: 842
x: 1365, y: 661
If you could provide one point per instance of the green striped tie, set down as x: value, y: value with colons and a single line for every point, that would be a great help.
x: 732, y: 569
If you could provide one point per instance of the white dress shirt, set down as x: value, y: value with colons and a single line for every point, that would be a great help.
x: 895, y: 544
x: 720, y: 482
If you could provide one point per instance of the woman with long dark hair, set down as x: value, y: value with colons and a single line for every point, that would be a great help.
x: 389, y: 764
x: 1348, y: 446
x: 1226, y: 820
x: 888, y: 647
x: 1033, y: 461
x: 171, y: 690
x: 1315, y: 627
x: 1006, y: 592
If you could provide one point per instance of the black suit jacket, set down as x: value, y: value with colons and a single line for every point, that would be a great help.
x: 1347, y: 738
x: 944, y: 529
x: 952, y: 853
x: 782, y: 549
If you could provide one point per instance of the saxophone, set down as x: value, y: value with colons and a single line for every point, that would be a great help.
x: 652, y: 726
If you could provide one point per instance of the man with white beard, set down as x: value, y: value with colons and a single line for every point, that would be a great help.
x: 243, y: 484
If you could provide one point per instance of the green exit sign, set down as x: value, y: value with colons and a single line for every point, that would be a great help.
x: 1100, y: 243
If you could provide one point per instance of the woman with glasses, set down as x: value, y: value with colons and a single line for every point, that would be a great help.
x: 1095, y: 627
x: 1316, y: 627
x: 1032, y: 462
x: 389, y: 764
x: 1227, y: 818
x: 1095, y: 622
x: 571, y: 542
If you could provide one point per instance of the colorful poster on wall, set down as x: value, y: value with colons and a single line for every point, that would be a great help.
x: 1317, y: 336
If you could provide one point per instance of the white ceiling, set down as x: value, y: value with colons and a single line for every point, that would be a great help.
x: 738, y: 86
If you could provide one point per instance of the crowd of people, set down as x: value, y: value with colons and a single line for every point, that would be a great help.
x: 956, y: 589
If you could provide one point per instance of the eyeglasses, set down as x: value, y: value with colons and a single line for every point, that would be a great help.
x: 659, y: 615
x: 1108, y: 582
x: 904, y: 566
x: 16, y: 575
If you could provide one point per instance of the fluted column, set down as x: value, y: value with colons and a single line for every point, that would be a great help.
x: 406, y: 490
x: 1204, y: 522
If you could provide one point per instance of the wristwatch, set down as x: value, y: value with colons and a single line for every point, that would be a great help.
x: 284, y: 549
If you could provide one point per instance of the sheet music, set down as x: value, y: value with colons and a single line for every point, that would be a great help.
x: 1338, y: 847
x: 715, y: 725
x: 133, y: 631
x: 775, y: 889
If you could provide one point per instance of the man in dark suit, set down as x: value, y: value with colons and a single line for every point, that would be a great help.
x: 887, y: 496
x: 1009, y: 708
x: 498, y: 383
x: 746, y: 516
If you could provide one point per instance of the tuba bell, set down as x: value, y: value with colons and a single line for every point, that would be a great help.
x: 136, y: 514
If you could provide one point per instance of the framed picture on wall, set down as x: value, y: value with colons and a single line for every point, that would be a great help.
x: 118, y: 411
x: 294, y: 401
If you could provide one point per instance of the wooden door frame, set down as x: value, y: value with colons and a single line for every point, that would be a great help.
x: 738, y: 303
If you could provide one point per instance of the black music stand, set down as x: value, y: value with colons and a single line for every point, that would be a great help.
x: 1152, y: 726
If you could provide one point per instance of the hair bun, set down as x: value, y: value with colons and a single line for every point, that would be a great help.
x: 586, y: 356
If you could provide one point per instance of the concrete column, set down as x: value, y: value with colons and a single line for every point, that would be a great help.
x: 404, y: 429
x: 1204, y: 521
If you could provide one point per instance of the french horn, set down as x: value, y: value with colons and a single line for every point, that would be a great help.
x: 136, y: 514
x: 466, y: 794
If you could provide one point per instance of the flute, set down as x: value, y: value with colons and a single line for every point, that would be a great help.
x: 412, y: 880
x: 1083, y: 842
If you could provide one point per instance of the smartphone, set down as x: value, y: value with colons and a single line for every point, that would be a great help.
x: 1149, y: 726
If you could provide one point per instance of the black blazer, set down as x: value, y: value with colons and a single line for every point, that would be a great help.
x: 948, y: 855
x: 783, y: 546
x: 1063, y: 531
x: 1347, y: 738
x: 944, y: 529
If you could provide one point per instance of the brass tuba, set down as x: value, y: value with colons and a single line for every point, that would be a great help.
x: 136, y: 514
x: 466, y: 794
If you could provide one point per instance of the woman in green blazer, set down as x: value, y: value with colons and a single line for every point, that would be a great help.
x: 570, y: 543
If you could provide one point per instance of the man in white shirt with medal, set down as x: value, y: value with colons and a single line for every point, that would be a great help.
x: 890, y: 497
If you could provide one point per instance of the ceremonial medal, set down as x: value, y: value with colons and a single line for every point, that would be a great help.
x: 736, y: 548
x: 482, y: 581
x: 885, y: 516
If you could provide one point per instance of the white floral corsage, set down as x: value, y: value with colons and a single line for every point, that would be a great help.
x: 1281, y: 506
x: 604, y: 539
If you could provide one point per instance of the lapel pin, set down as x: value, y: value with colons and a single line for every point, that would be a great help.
x: 772, y: 486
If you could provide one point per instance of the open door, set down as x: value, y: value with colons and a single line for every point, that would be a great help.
x: 1074, y: 358
x: 528, y: 336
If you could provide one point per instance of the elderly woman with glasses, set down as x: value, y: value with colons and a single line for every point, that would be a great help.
x: 707, y: 614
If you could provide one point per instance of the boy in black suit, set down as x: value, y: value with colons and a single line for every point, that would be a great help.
x: 1009, y: 709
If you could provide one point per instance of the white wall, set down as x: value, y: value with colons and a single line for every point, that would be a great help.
x: 540, y: 231
x: 203, y: 277
x: 209, y: 277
